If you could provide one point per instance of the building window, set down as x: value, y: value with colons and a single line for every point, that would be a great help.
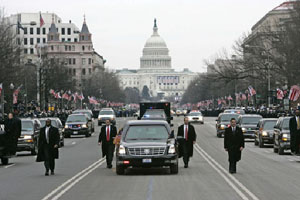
x: 31, y: 51
x: 83, y: 61
x: 66, y: 48
x: 31, y: 31
x: 52, y: 48
x: 25, y: 31
x: 75, y: 39
x: 73, y: 48
x: 44, y: 40
x: 18, y: 41
x: 90, y: 61
x: 83, y: 71
x: 82, y: 48
x: 82, y: 37
x: 74, y: 72
x: 62, y: 31
x: 69, y: 31
x: 25, y: 41
x: 44, y: 31
x: 25, y: 51
x: 74, y: 61
x: 70, y: 71
x: 62, y: 39
x: 90, y: 71
x: 31, y: 41
x: 38, y: 31
x: 38, y: 40
x: 69, y: 39
x: 70, y: 61
x: 69, y: 47
x: 51, y: 37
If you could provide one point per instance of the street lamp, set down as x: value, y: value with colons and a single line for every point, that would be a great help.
x: 268, y: 68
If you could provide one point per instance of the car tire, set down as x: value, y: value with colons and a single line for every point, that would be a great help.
x: 120, y: 170
x: 219, y: 135
x: 261, y: 143
x: 280, y: 150
x: 174, y: 169
x: 4, y: 161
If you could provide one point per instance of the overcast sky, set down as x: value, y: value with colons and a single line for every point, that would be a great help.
x: 194, y: 30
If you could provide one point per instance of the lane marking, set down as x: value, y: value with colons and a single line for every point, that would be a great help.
x: 73, y: 143
x: 225, y: 172
x: 8, y: 166
x: 150, y: 189
x: 78, y: 175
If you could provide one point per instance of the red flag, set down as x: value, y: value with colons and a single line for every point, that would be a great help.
x: 15, y: 95
x: 252, y: 91
x: 280, y: 94
x: 294, y: 93
x: 41, y: 20
x: 1, y: 87
x: 65, y: 96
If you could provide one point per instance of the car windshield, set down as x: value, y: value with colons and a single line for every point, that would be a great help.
x: 250, y: 120
x: 286, y: 124
x: 27, y: 126
x: 235, y: 111
x: 154, y: 114
x: 227, y: 118
x: 153, y: 132
x: 269, y: 125
x: 53, y: 123
x: 195, y: 114
x: 106, y: 112
x: 76, y: 118
x: 83, y: 112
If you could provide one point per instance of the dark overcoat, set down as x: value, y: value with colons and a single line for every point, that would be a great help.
x: 233, y: 142
x: 192, y: 136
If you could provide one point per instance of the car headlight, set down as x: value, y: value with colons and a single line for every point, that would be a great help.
x: 122, y: 150
x: 84, y: 126
x: 172, y: 149
x: 222, y: 126
x: 244, y: 130
x: 201, y: 118
x: 264, y: 133
x: 66, y: 126
x: 27, y: 137
x: 99, y: 118
x: 112, y: 118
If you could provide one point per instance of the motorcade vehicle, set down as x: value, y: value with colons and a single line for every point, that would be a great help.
x: 28, y: 141
x: 248, y: 124
x: 223, y: 121
x: 77, y: 124
x: 179, y: 112
x: 147, y: 143
x: 264, y: 134
x: 147, y: 111
x: 55, y: 122
x: 237, y: 111
x: 282, y: 137
x: 195, y: 117
x: 89, y: 113
x: 106, y: 114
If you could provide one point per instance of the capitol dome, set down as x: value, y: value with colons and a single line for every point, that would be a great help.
x: 155, y: 52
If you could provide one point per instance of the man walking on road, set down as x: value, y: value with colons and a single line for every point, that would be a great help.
x: 295, y: 132
x: 187, y: 138
x: 48, y: 147
x: 106, y: 138
x: 13, y: 127
x: 234, y: 144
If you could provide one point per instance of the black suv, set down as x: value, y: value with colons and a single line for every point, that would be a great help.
x: 147, y: 143
x: 77, y: 124
x: 282, y: 135
x: 223, y: 122
x: 264, y: 134
x: 248, y: 124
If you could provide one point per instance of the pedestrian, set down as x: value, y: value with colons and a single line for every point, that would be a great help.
x: 106, y: 138
x: 13, y: 128
x: 295, y: 132
x: 187, y: 138
x: 48, y: 146
x: 234, y: 144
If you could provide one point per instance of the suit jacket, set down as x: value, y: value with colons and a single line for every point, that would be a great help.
x: 102, y: 138
x: 233, y: 142
x: 293, y: 126
x: 53, y: 140
x: 191, y: 138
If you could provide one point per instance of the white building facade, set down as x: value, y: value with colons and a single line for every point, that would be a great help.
x: 156, y: 71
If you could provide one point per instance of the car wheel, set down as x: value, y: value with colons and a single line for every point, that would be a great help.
x: 261, y: 143
x: 174, y: 169
x: 218, y: 135
x: 34, y: 150
x: 120, y: 170
x: 280, y: 150
x: 4, y: 161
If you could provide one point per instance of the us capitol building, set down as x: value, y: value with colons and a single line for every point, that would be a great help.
x: 156, y: 71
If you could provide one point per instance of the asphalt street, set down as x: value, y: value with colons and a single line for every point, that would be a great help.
x: 81, y: 174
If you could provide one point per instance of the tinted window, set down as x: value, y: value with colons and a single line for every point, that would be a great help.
x: 27, y: 126
x: 147, y: 132
x: 53, y: 123
x: 106, y: 112
x: 195, y: 114
x: 228, y: 117
x: 250, y: 120
x: 83, y: 112
x: 269, y: 125
x: 286, y: 124
x: 77, y: 118
x: 154, y: 113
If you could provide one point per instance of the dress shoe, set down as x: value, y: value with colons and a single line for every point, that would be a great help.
x: 52, y: 173
x: 47, y: 174
x: 109, y: 166
x: 186, y: 166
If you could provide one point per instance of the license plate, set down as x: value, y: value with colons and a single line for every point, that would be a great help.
x: 147, y: 160
x: 75, y: 132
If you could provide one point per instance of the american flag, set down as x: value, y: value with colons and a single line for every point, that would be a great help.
x: 15, y: 95
x: 41, y: 20
x: 244, y: 97
x: 251, y: 90
x: 65, y: 96
x: 92, y: 100
x: 229, y: 98
x: 280, y: 94
x: 57, y: 95
x: 294, y: 93
x: 75, y: 96
x: 80, y: 97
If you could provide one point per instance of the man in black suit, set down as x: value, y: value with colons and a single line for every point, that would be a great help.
x: 13, y: 128
x: 187, y: 138
x: 234, y: 144
x: 48, y: 147
x: 106, y: 138
x: 295, y: 132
